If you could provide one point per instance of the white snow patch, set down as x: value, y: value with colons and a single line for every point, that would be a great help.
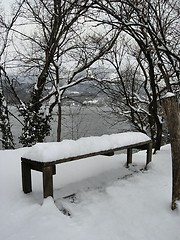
x: 169, y: 94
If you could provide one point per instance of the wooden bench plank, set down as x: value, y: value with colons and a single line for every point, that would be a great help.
x: 105, y: 152
x: 48, y: 152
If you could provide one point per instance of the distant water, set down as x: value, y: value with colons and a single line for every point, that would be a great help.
x: 78, y: 122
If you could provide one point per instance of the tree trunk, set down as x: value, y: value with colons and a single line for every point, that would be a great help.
x: 59, y: 122
x: 172, y: 111
x: 159, y: 132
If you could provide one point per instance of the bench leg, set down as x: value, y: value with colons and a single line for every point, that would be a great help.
x: 26, y: 177
x: 48, y: 172
x: 129, y: 156
x: 149, y: 154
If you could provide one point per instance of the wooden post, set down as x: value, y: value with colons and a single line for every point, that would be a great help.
x: 26, y: 177
x: 48, y: 181
x: 149, y: 154
x: 172, y: 112
x: 129, y: 156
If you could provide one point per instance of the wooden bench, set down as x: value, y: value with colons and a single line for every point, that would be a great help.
x: 38, y: 157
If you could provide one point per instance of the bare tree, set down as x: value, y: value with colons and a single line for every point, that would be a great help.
x: 54, y: 23
x: 128, y: 89
x: 58, y: 57
x: 74, y: 121
x: 154, y: 25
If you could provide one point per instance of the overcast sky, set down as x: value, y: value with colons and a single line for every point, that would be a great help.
x: 6, y: 4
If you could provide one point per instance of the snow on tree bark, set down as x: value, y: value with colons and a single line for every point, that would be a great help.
x: 5, y: 126
x: 36, y: 126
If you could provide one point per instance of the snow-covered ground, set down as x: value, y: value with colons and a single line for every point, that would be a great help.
x: 110, y: 201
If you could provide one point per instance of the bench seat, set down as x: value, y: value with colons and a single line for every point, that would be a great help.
x: 43, y: 157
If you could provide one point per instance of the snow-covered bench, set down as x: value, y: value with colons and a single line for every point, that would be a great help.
x: 43, y: 157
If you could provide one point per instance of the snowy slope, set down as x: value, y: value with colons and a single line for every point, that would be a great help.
x: 111, y: 202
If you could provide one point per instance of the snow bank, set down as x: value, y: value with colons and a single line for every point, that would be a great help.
x: 47, y: 152
x: 118, y: 204
x: 169, y: 94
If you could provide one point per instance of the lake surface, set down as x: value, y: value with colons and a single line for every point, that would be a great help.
x: 78, y: 122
